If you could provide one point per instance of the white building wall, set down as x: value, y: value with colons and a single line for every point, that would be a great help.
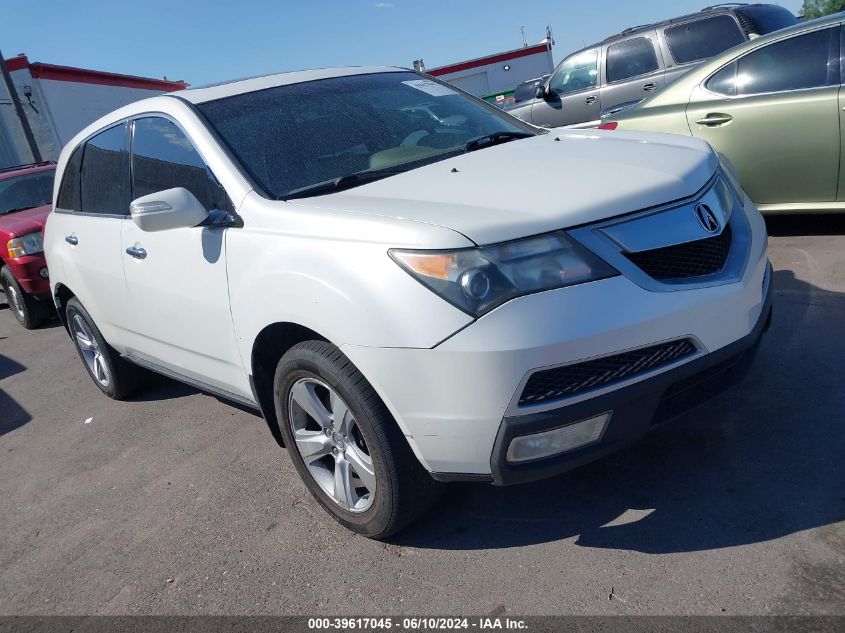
x: 492, y: 78
x: 60, y: 109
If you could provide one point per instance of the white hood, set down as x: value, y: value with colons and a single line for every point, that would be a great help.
x: 530, y: 186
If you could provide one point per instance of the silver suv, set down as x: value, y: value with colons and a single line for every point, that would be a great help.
x: 625, y: 68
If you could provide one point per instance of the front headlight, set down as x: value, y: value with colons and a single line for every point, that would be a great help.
x: 476, y: 280
x: 28, y: 244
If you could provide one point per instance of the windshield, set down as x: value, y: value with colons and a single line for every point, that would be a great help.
x: 294, y: 138
x: 25, y: 192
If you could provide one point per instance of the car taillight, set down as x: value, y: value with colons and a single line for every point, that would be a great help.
x: 610, y: 125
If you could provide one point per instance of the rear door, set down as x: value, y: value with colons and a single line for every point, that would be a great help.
x: 632, y: 70
x: 573, y: 92
x: 775, y: 113
x: 92, y: 204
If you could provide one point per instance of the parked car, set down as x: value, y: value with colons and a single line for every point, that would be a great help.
x: 26, y: 193
x: 639, y: 61
x: 527, y: 90
x: 405, y: 295
x: 772, y: 106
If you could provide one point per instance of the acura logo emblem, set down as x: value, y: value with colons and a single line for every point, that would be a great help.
x: 706, y: 218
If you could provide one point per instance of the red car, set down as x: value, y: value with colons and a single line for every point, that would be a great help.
x: 26, y: 194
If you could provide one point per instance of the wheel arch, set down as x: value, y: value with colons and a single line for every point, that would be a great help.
x: 61, y: 295
x: 271, y: 343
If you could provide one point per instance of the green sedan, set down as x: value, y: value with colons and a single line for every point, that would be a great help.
x: 774, y: 107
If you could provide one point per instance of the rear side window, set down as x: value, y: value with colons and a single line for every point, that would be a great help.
x: 68, y: 197
x: 703, y: 39
x: 806, y: 61
x: 630, y: 58
x: 105, y: 173
x: 164, y: 158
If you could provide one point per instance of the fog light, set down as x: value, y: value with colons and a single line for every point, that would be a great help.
x: 566, y: 438
x: 44, y: 273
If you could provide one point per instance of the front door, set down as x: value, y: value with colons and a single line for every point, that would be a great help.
x: 573, y: 93
x: 774, y: 113
x: 176, y: 278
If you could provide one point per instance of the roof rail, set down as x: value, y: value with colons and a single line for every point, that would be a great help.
x: 724, y: 5
x: 26, y: 166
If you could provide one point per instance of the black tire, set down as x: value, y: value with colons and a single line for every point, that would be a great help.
x: 124, y: 378
x: 404, y: 489
x: 29, y: 311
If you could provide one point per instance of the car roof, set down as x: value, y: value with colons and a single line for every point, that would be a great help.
x: 21, y: 170
x: 718, y: 9
x: 212, y: 92
x: 682, y: 85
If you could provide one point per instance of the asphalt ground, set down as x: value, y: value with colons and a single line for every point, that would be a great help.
x: 179, y: 503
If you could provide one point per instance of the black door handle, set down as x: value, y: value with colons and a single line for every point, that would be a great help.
x: 649, y: 87
x: 591, y: 99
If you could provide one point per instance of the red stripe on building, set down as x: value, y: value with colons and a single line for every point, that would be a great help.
x: 17, y: 63
x: 492, y: 59
x: 81, y: 75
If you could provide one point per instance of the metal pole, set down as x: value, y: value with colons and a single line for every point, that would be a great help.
x: 27, y: 131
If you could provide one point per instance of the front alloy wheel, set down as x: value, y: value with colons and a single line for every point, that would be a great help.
x: 344, y: 443
x: 331, y: 444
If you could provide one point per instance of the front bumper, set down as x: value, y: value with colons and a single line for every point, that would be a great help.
x: 457, y: 403
x: 27, y: 271
x: 635, y: 409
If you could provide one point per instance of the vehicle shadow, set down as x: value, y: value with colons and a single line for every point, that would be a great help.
x: 822, y: 224
x: 12, y: 415
x: 760, y: 461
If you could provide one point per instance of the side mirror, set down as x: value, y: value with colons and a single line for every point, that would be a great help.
x: 169, y: 209
x: 541, y: 92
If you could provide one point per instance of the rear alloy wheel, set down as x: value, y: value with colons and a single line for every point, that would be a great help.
x: 115, y: 376
x: 345, y: 445
x: 29, y: 311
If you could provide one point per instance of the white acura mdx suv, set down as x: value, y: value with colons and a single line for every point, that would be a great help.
x: 409, y: 284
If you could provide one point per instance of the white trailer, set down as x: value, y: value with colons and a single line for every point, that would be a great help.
x: 58, y: 101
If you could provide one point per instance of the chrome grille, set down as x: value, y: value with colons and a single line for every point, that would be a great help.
x: 682, y: 261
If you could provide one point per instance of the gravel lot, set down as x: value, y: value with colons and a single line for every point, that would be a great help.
x: 178, y: 502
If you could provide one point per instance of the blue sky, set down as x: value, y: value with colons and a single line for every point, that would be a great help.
x: 214, y: 40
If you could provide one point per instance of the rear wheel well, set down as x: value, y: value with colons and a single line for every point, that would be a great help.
x: 63, y: 294
x: 270, y: 345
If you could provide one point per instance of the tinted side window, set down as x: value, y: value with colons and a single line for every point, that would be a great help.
x: 578, y: 72
x: 68, y: 197
x: 105, y: 173
x: 163, y: 158
x: 806, y: 61
x: 630, y: 59
x: 703, y: 38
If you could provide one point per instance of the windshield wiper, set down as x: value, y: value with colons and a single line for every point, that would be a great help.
x: 343, y: 182
x: 494, y: 139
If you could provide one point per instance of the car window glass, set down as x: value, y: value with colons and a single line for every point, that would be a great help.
x: 630, y: 58
x: 68, y: 197
x: 105, y: 173
x: 806, y: 61
x: 26, y: 191
x: 526, y: 91
x: 164, y: 158
x: 702, y: 39
x: 579, y: 72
